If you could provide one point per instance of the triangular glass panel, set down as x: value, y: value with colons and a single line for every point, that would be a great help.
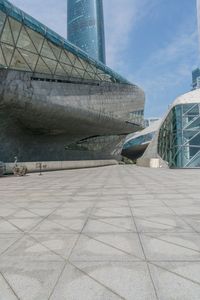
x: 30, y: 58
x: 51, y: 64
x: 71, y: 56
x: 195, y: 141
x: 84, y: 63
x: 8, y: 52
x: 18, y: 62
x: 15, y: 28
x: 42, y: 67
x: 78, y: 64
x: 75, y: 73
x: 67, y: 68
x: 56, y: 50
x: 36, y: 38
x: 7, y: 35
x: 97, y: 77
x: 2, y: 60
x: 2, y: 20
x: 89, y: 68
x: 194, y: 111
x: 81, y: 72
x: 60, y: 71
x: 25, y: 42
x: 194, y: 124
x: 46, y: 51
x: 64, y: 58
x: 88, y: 76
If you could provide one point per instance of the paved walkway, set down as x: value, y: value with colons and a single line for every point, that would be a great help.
x: 109, y: 233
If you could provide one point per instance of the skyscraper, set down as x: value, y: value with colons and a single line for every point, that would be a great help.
x: 196, y: 72
x: 86, y: 27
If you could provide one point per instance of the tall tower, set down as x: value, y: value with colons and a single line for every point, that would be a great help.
x: 196, y: 72
x: 85, y: 27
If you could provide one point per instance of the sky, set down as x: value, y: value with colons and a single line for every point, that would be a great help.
x: 153, y: 43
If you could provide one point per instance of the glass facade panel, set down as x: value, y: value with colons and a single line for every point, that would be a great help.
x: 67, y: 68
x: 30, y: 58
x: 2, y: 60
x: 60, y: 71
x: 142, y: 139
x: 7, y: 35
x: 8, y: 52
x: 18, y: 62
x: 47, y: 51
x: 34, y: 41
x: 36, y: 38
x: 2, y: 20
x: 42, y: 67
x: 25, y: 42
x: 15, y: 28
x: 179, y: 137
x: 56, y: 50
x: 52, y: 64
x: 64, y: 58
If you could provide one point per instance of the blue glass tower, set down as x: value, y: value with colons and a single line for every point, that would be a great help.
x: 86, y: 27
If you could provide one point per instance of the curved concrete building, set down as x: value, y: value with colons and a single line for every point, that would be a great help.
x: 57, y: 103
x: 136, y: 143
x: 177, y: 141
x: 85, y: 27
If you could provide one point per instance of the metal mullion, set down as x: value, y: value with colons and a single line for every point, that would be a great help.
x: 39, y: 55
x: 46, y: 65
x: 31, y: 40
x: 11, y: 31
x: 2, y: 42
x: 3, y: 55
x: 192, y: 159
x: 191, y: 122
x: 15, y: 45
x: 3, y: 26
x: 189, y: 109
x: 59, y: 63
x: 18, y: 49
x: 57, y: 60
x: 191, y: 138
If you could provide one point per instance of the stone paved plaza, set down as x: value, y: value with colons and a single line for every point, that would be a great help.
x: 119, y: 232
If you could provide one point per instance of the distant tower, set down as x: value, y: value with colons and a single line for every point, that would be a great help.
x: 196, y: 72
x: 85, y: 27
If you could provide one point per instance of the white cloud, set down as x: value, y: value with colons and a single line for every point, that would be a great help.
x: 170, y: 66
x: 51, y: 13
x: 121, y: 18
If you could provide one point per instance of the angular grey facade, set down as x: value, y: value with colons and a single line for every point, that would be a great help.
x: 56, y: 103
x: 85, y: 27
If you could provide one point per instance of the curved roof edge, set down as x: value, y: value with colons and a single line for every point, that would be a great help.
x: 55, y: 38
x: 187, y: 98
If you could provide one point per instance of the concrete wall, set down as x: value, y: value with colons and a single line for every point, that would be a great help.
x: 59, y: 165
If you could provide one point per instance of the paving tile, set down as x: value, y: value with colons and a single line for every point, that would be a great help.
x: 129, y: 280
x: 117, y: 224
x: 162, y: 224
x: 175, y: 281
x: 171, y: 246
x: 30, y: 280
x: 108, y: 247
x: 74, y: 285
x: 6, y: 240
x: 61, y: 244
x: 6, y: 293
x: 28, y: 249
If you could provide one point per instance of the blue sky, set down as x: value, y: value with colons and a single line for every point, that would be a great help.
x: 153, y: 43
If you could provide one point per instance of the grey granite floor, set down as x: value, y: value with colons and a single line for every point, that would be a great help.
x: 119, y: 232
